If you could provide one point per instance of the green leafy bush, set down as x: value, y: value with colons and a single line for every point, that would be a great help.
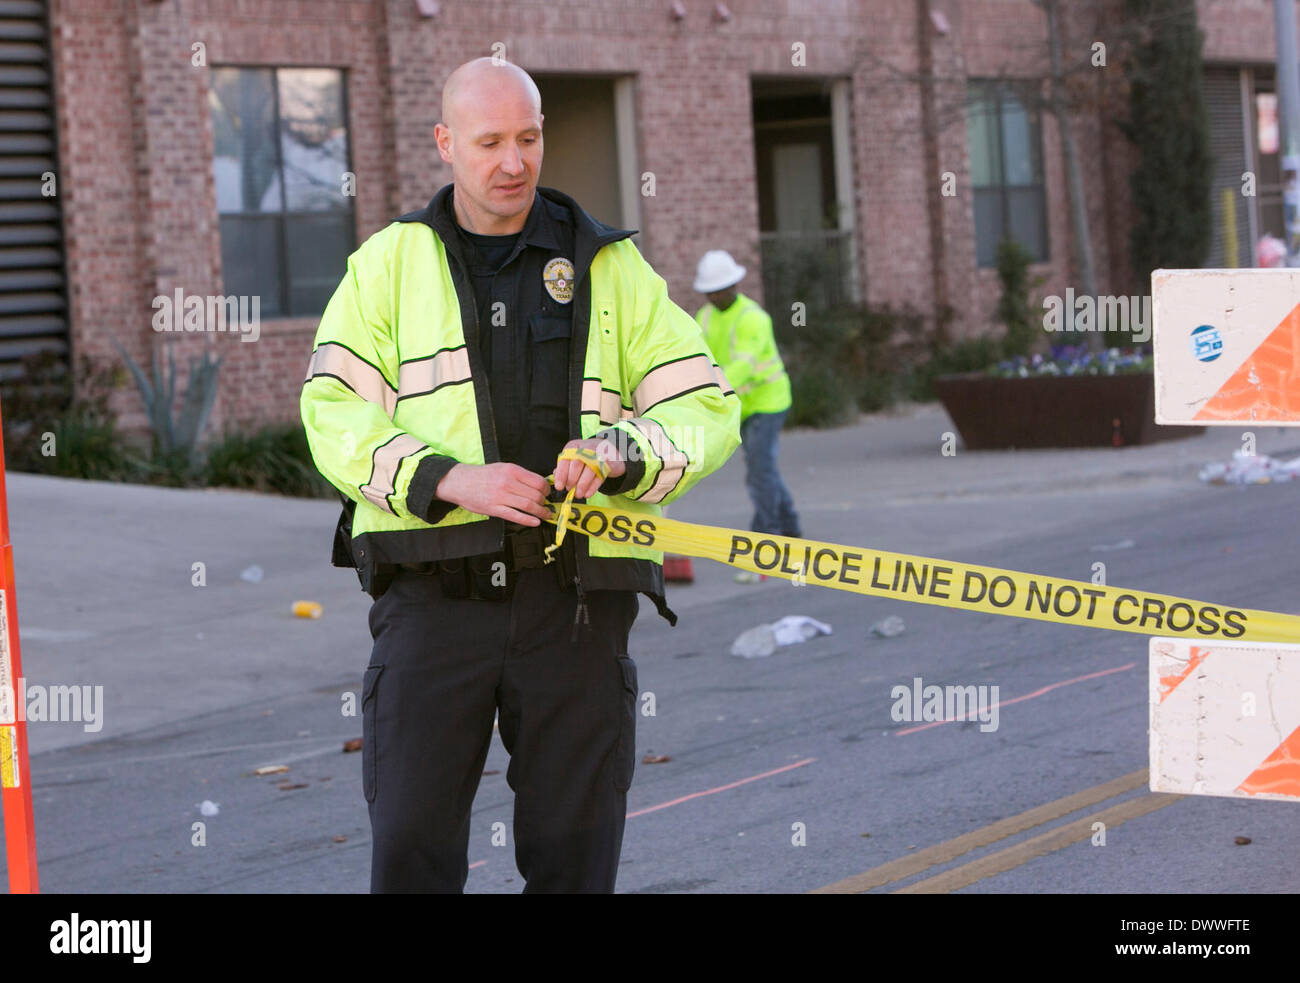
x: 50, y: 430
x: 821, y: 396
x: 967, y: 355
x: 1015, y: 310
x: 849, y: 359
x: 273, y: 459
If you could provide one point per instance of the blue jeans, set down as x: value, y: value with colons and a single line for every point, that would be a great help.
x: 773, y: 507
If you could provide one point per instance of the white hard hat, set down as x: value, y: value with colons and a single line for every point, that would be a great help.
x: 717, y: 271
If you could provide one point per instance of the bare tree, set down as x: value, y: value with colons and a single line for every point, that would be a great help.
x: 1066, y: 85
x: 1061, y: 111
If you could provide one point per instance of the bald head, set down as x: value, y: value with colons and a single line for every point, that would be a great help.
x: 491, y: 135
x: 482, y: 88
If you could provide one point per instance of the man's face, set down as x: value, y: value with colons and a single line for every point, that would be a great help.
x: 722, y: 299
x: 494, y: 145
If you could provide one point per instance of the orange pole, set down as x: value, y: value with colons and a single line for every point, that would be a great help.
x: 15, y: 775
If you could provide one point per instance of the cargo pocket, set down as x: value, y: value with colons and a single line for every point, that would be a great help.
x: 369, y: 750
x: 625, y: 754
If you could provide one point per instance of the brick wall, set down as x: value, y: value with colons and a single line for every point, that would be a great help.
x: 136, y: 141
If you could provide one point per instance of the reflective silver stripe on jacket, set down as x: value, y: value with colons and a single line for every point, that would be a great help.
x: 675, y: 462
x: 765, y: 366
x: 673, y: 379
x: 607, y: 405
x: 721, y: 378
x: 383, y: 471
x: 422, y: 376
x: 339, y: 362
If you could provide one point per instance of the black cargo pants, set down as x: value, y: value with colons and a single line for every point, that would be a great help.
x: 439, y: 670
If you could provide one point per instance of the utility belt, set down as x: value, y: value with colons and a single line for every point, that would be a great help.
x: 492, y: 576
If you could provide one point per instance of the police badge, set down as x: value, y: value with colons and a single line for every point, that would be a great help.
x: 557, y: 277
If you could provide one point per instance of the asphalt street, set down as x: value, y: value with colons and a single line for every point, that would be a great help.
x: 785, y: 774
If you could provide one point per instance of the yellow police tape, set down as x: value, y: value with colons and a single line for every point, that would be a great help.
x: 924, y: 580
x: 591, y: 459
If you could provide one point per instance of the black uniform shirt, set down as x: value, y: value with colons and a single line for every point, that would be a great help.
x: 524, y: 328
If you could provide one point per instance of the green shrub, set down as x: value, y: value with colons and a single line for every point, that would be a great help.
x: 273, y: 459
x: 87, y: 446
x: 1015, y: 309
x: 820, y: 396
x: 175, y: 435
x: 877, y: 392
x: 848, y: 359
x: 49, y: 430
x: 968, y: 355
x: 42, y: 414
x: 1168, y: 124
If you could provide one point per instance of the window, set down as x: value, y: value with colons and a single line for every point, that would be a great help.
x: 1006, y: 160
x: 284, y: 189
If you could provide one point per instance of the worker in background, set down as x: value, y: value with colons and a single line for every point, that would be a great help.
x: 739, y: 333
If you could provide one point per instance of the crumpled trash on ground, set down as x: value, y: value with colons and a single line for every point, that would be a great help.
x: 1250, y: 469
x: 762, y: 640
x: 890, y: 627
x: 306, y: 609
x: 1123, y: 544
x: 251, y: 575
x: 208, y: 808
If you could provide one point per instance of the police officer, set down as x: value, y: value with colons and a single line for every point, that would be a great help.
x: 473, y: 348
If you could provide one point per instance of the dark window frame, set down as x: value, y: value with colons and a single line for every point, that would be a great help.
x: 991, y: 94
x: 282, y: 217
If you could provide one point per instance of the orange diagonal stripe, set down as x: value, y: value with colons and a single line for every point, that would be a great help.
x: 1169, y: 683
x: 1280, y: 772
x: 1275, y: 392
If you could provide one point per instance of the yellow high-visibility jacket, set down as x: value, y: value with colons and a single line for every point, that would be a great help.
x: 742, y: 341
x: 396, y: 394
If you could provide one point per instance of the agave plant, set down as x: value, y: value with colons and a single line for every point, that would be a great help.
x: 178, y: 435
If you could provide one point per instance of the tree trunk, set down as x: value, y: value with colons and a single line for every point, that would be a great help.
x: 1073, y: 176
x: 930, y: 132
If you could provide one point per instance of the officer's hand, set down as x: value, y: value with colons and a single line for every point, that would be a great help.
x: 575, y: 474
x: 503, y: 490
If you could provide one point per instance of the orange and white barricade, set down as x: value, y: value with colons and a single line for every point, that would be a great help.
x: 15, y: 777
x: 1225, y: 718
x: 1227, y: 346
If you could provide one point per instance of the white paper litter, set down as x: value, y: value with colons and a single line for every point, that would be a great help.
x: 1250, y: 469
x: 796, y: 628
x: 762, y: 640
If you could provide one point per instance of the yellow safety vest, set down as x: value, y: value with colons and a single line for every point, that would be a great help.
x: 741, y: 340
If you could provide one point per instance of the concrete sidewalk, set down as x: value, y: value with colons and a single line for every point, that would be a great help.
x: 106, y: 572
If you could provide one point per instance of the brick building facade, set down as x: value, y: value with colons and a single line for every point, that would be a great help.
x: 744, y: 119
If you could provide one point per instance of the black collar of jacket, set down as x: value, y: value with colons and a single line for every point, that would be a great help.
x: 589, y: 234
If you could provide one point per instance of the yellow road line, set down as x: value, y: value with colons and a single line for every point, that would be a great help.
x: 941, y: 853
x: 1038, y: 846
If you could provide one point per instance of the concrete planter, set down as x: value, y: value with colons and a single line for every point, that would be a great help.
x: 1054, y: 411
